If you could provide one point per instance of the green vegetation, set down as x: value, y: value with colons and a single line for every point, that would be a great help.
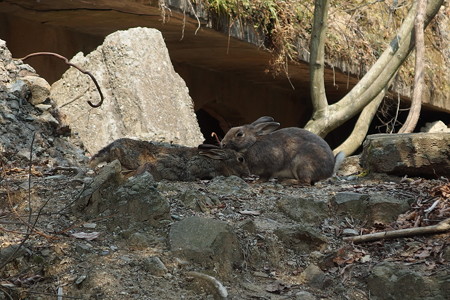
x: 359, y: 31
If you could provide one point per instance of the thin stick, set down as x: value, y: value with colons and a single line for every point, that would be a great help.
x: 441, y: 227
x: 30, y: 210
x: 27, y: 235
x: 213, y: 134
x: 76, y: 67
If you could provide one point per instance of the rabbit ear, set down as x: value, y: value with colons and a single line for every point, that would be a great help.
x: 207, y: 147
x: 218, y: 154
x: 263, y: 120
x: 266, y: 128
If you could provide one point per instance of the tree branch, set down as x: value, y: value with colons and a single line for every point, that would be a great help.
x: 359, y: 132
x: 317, y: 56
x: 377, y: 78
x: 441, y: 227
x: 416, y: 103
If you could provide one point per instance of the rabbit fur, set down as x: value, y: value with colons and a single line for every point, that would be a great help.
x: 173, y: 162
x: 288, y: 153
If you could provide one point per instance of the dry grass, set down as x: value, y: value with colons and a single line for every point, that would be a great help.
x: 359, y: 31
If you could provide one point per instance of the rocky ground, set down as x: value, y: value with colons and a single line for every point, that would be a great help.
x: 286, y: 249
x: 95, y: 234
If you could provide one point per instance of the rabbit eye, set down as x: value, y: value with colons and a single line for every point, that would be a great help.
x: 240, y: 134
x: 241, y: 159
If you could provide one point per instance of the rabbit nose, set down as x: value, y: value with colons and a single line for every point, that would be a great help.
x: 222, y: 145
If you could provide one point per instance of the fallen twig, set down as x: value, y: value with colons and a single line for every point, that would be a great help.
x: 76, y: 67
x: 441, y: 227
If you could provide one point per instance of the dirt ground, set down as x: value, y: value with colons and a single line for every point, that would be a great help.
x: 114, y: 264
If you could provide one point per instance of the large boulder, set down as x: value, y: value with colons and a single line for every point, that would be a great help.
x: 389, y: 280
x: 372, y: 208
x: 210, y: 243
x: 130, y: 202
x: 144, y: 97
x: 413, y: 154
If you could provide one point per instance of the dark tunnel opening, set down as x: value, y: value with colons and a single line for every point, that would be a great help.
x: 208, y: 124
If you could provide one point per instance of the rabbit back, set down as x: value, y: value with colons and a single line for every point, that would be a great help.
x: 130, y: 152
x: 172, y: 162
x: 291, y: 153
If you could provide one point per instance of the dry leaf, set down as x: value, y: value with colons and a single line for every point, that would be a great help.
x: 89, y: 236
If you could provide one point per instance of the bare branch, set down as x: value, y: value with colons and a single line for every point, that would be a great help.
x: 359, y: 132
x: 416, y: 103
x: 76, y: 67
x: 213, y: 134
x: 375, y: 80
x: 317, y: 56
x: 441, y: 227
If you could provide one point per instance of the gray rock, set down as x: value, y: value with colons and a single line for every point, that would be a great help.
x: 144, y: 97
x: 301, y: 238
x: 139, y: 201
x: 313, y: 276
x: 446, y: 253
x: 139, y: 240
x: 376, y: 208
x: 47, y: 117
x: 386, y: 209
x: 43, y: 107
x: 198, y: 201
x: 350, y: 166
x: 83, y: 248
x: 12, y: 252
x: 207, y: 242
x: 39, y: 88
x: 19, y: 120
x: 135, y: 200
x: 20, y: 89
x: 304, y: 295
x: 304, y: 210
x: 396, y: 281
x: 154, y: 266
x: 232, y: 185
x: 14, y: 104
x: 437, y: 126
x: 350, y: 202
x: 414, y: 154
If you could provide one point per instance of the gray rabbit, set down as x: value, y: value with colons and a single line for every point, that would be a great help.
x: 173, y: 162
x: 288, y: 153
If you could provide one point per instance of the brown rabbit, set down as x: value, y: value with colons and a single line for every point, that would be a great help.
x: 289, y: 153
x: 173, y: 162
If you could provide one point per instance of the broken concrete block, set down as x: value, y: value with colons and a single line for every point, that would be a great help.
x: 412, y: 154
x: 144, y: 97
